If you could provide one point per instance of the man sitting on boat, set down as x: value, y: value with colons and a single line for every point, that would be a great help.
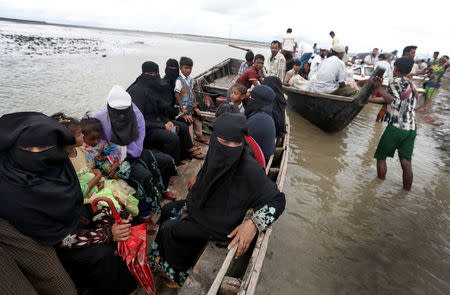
x: 253, y: 76
x: 331, y: 75
x: 230, y: 182
x: 316, y: 62
x: 277, y: 61
x: 249, y: 56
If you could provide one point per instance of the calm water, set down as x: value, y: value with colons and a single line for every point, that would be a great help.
x: 343, y: 231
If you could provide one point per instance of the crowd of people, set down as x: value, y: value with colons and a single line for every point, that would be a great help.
x: 54, y: 167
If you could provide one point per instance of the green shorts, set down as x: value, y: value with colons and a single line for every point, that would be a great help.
x: 430, y: 92
x: 393, y: 139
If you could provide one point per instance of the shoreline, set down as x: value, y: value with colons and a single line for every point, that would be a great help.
x: 191, y: 37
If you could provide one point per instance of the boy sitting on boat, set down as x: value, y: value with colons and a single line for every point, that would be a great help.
x: 238, y: 94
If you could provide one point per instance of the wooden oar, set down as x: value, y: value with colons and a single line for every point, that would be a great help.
x: 241, y: 48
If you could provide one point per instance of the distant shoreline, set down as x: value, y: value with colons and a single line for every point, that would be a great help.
x: 184, y: 36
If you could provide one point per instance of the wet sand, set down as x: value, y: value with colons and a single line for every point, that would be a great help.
x: 343, y: 231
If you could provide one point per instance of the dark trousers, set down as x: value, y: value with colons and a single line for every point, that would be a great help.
x: 165, y: 141
x: 180, y: 241
x: 166, y: 167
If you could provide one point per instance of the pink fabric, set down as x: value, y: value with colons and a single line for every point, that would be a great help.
x: 259, y: 155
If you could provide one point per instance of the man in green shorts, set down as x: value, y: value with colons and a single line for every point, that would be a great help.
x: 400, y: 133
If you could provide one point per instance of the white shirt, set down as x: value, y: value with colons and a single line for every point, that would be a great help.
x: 370, y: 59
x: 385, y: 64
x: 288, y: 42
x: 314, y: 67
x: 304, y: 48
x: 330, y: 73
x: 179, y: 85
x: 277, y: 66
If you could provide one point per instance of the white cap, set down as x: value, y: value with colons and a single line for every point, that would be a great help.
x: 118, y: 98
x: 338, y: 48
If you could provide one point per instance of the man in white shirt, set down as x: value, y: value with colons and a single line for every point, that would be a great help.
x: 382, y: 62
x: 331, y: 75
x: 371, y: 59
x: 316, y: 62
x: 335, y: 39
x: 277, y: 62
x: 304, y: 52
x: 346, y: 57
x: 288, y: 41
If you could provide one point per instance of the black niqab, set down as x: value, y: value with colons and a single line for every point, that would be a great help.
x: 229, y: 183
x: 279, y: 104
x: 261, y: 100
x: 124, y: 127
x: 39, y: 192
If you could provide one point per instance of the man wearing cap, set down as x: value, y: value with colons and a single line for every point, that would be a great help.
x: 331, y: 75
x: 316, y: 62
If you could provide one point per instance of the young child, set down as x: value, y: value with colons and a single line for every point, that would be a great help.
x: 184, y: 94
x: 400, y: 132
x: 291, y: 73
x: 238, y: 94
x: 92, y: 183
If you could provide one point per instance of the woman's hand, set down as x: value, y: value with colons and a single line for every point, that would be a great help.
x: 121, y: 232
x: 243, y: 234
x: 191, y: 183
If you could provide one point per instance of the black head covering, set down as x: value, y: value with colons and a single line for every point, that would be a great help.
x: 123, y: 130
x: 150, y: 67
x: 262, y: 96
x: 172, y: 74
x: 221, y: 160
x: 279, y: 104
x: 39, y: 192
x: 230, y: 181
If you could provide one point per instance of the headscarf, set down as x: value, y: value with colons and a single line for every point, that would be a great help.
x: 172, y: 74
x: 279, y: 104
x: 124, y: 129
x: 262, y: 99
x: 230, y: 181
x: 221, y: 160
x: 40, y: 192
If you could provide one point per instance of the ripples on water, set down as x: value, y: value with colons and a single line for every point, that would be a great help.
x: 343, y: 231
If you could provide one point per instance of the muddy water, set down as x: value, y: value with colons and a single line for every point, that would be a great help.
x: 343, y: 231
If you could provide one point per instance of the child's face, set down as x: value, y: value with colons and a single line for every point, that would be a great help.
x: 259, y: 63
x: 92, y: 138
x: 296, y: 68
x: 76, y: 130
x: 236, y: 96
x: 186, y: 70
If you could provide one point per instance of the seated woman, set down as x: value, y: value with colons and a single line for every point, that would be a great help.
x: 260, y: 122
x: 41, y: 197
x: 229, y: 183
x: 279, y: 104
x: 124, y: 126
x: 152, y: 96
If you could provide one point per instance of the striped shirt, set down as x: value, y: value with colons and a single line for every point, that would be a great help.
x: 400, y: 113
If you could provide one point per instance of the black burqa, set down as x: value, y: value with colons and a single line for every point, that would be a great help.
x: 229, y: 183
x: 171, y: 77
x: 279, y: 104
x: 124, y: 127
x: 39, y: 191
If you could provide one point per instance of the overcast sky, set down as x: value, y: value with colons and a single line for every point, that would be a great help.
x: 359, y: 24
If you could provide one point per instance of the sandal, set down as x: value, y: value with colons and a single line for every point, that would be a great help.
x: 197, y: 155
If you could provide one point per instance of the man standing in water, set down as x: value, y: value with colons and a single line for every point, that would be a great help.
x: 400, y: 132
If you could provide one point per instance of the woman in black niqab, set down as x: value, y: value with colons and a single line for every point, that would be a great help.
x: 279, y: 104
x: 40, y: 192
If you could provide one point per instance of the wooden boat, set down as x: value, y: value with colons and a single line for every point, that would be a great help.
x: 216, y: 270
x: 329, y: 112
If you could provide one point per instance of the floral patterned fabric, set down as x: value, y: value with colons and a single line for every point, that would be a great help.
x: 93, y: 230
x: 157, y: 262
x: 263, y: 217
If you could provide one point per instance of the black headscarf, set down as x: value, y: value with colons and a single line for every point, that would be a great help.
x: 279, y: 104
x: 230, y: 181
x: 123, y: 130
x: 262, y: 100
x: 39, y: 192
x: 171, y: 76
